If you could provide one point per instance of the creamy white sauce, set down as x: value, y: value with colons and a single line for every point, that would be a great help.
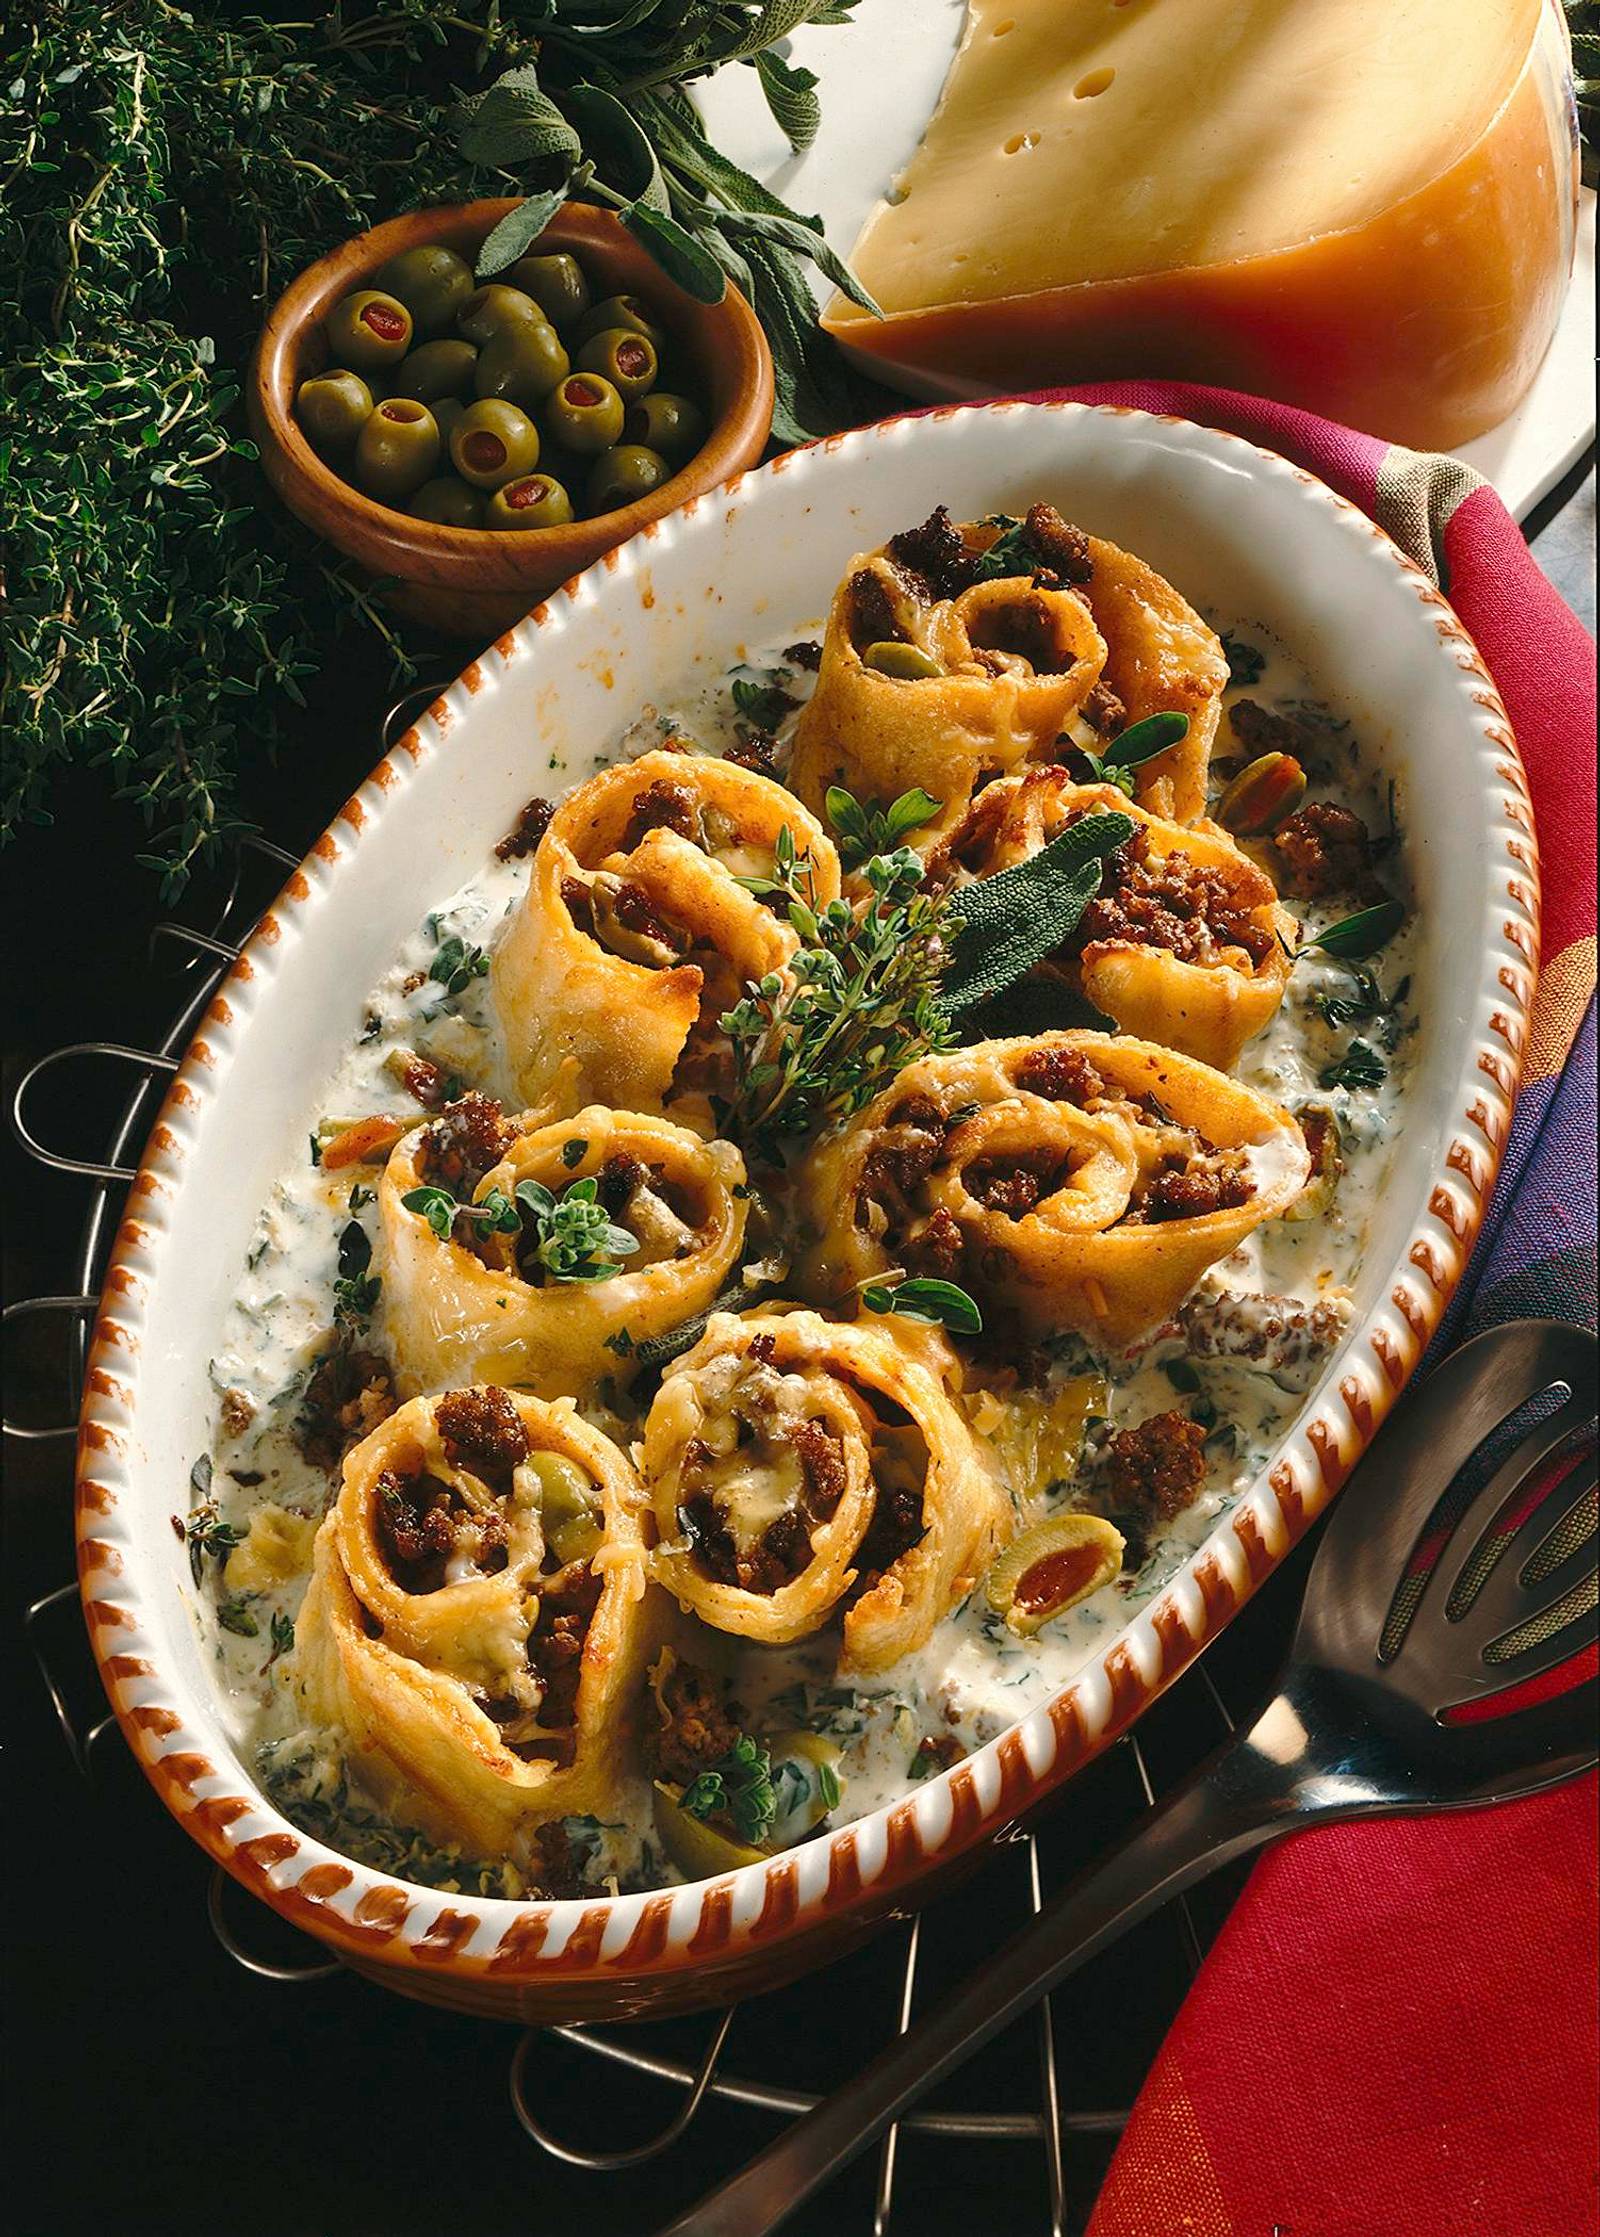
x: 974, y: 1677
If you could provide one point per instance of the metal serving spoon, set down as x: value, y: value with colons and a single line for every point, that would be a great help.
x: 1433, y: 1591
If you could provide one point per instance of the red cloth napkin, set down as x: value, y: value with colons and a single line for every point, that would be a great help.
x: 1394, y: 2035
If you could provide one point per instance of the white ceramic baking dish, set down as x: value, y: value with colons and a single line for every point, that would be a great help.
x: 1246, y: 536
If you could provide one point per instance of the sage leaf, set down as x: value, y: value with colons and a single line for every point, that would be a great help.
x: 514, y: 122
x: 518, y: 230
x: 684, y: 259
x: 618, y: 146
x: 1362, y: 934
x: 801, y: 237
x: 1142, y: 741
x: 1015, y: 919
x: 942, y: 1302
x: 791, y: 96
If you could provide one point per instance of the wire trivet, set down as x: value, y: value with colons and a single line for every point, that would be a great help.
x: 1045, y: 2126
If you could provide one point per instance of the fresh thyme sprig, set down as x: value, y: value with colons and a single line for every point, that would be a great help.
x: 862, y: 830
x: 857, y: 1003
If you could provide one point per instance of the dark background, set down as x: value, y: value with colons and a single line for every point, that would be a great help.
x: 153, y: 2085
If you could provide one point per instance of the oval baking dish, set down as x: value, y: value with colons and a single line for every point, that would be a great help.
x: 1247, y: 535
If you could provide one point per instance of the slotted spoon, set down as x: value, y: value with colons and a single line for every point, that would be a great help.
x: 1438, y: 1598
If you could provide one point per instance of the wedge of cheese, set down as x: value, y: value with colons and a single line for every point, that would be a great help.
x: 1360, y: 206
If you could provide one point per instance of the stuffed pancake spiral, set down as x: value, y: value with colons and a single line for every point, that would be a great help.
x: 483, y: 1300
x: 799, y: 1467
x: 1184, y: 944
x: 1081, y: 1180
x: 635, y: 935
x: 476, y: 1622
x: 936, y: 672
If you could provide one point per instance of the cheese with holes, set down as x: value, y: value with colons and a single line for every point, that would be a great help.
x: 1364, y: 207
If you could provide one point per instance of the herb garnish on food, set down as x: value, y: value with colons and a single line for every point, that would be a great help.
x: 1140, y: 742
x: 856, y: 1005
x: 355, y: 1292
x: 1360, y: 1067
x: 946, y: 1303
x: 571, y: 1236
x: 1015, y: 919
x: 863, y: 830
x: 744, y: 1788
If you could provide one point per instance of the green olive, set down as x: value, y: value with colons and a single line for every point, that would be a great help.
x: 672, y: 425
x: 493, y: 442
x: 583, y: 414
x: 368, y: 329
x: 522, y: 364
x: 447, y: 411
x: 1320, y: 1127
x: 906, y: 663
x: 569, y: 1500
x: 627, y: 360
x: 621, y: 310
x: 397, y: 450
x: 448, y: 502
x: 432, y: 282
x: 1051, y: 1567
x: 438, y: 369
x: 623, y: 474
x: 494, y: 309
x: 333, y: 408
x: 532, y: 501
x: 698, y: 1850
x: 556, y: 284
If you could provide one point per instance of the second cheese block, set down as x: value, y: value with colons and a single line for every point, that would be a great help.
x: 1360, y: 206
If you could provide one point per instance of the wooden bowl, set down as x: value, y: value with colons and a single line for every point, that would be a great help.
x: 475, y: 582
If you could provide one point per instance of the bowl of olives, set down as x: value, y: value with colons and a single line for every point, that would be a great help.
x: 471, y: 446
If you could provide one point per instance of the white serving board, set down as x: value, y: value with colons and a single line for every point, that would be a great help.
x: 880, y: 78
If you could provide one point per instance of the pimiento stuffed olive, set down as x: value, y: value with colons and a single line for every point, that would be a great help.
x: 622, y: 474
x: 556, y: 283
x: 397, y: 450
x: 431, y: 281
x: 627, y: 360
x: 333, y: 408
x: 448, y: 502
x: 532, y: 501
x: 368, y: 330
x: 584, y: 414
x: 522, y: 364
x: 439, y: 369
x: 619, y: 310
x: 520, y: 404
x: 493, y: 442
x: 493, y: 310
x: 672, y: 425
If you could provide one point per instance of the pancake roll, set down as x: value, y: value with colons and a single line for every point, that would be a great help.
x: 635, y: 935
x: 476, y: 1625
x: 1073, y: 1180
x: 540, y: 1254
x: 1185, y: 943
x: 803, y: 1469
x: 944, y: 668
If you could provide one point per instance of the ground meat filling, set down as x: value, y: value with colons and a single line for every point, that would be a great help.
x: 896, y: 1527
x: 349, y: 1393
x: 482, y: 1431
x: 1105, y: 712
x: 466, y: 1141
x: 1327, y: 849
x: 1191, y: 909
x: 1063, y: 548
x: 618, y: 1182
x: 939, y: 1250
x: 662, y: 806
x: 1025, y: 628
x: 1060, y: 1075
x: 934, y: 558
x: 902, y: 1156
x: 1014, y: 1185
x: 1153, y: 1471
x: 423, y: 1529
x: 1261, y: 731
x: 783, y: 1550
x: 525, y: 834
x: 696, y: 1729
x: 1191, y: 1190
x: 871, y: 607
x: 555, y: 1652
x: 755, y: 750
x: 807, y: 654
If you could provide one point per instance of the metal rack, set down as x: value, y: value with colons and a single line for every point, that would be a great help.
x: 1065, y: 2142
